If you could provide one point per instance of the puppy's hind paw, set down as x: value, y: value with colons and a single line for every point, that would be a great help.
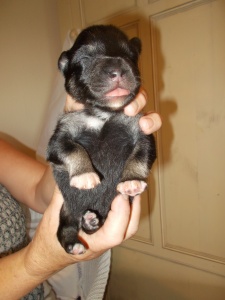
x: 85, y: 181
x: 131, y: 187
x: 90, y: 222
x: 76, y: 249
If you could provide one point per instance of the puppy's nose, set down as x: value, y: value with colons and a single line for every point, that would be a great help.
x: 115, y: 75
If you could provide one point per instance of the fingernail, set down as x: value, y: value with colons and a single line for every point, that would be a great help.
x: 124, y: 196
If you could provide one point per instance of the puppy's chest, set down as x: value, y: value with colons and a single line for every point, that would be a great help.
x: 94, y: 124
x: 117, y: 128
x: 93, y: 131
x: 78, y: 122
x: 109, y: 143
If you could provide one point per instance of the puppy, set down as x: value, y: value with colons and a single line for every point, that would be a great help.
x: 98, y: 152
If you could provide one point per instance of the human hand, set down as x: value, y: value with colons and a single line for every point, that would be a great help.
x: 45, y: 255
x: 149, y: 123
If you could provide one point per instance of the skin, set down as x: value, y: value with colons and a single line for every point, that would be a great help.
x: 24, y: 270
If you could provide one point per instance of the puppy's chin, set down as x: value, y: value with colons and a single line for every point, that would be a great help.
x: 117, y: 98
x: 115, y: 102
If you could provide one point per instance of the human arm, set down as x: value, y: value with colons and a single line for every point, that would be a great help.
x: 27, y: 180
x: 44, y: 256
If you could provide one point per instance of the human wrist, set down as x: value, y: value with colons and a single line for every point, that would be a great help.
x: 34, y: 266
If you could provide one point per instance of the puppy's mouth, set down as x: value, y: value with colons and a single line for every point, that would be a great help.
x: 116, y: 98
x: 118, y: 92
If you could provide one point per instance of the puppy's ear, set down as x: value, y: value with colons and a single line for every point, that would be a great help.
x: 136, y: 44
x: 63, y: 62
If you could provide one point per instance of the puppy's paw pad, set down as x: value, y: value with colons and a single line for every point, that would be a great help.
x: 85, y: 181
x: 131, y: 187
x: 76, y: 249
x: 90, y: 221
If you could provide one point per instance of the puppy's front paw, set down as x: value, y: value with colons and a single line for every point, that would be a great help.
x: 85, y: 181
x: 131, y: 187
x: 90, y: 222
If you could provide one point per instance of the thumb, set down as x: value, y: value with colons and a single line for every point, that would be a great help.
x: 114, y: 229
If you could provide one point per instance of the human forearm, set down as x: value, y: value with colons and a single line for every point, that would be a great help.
x: 27, y: 180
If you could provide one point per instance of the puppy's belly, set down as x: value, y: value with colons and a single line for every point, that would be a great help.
x: 109, y: 150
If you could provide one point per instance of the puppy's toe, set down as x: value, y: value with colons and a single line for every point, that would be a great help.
x: 85, y: 181
x: 131, y: 187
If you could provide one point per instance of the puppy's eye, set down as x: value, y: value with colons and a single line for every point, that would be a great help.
x: 81, y: 59
x: 85, y: 57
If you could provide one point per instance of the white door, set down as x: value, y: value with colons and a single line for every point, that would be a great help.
x: 179, y: 251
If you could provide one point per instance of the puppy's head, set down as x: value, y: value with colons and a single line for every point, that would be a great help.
x: 101, y: 69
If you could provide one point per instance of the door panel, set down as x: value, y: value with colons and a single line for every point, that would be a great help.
x: 192, y: 67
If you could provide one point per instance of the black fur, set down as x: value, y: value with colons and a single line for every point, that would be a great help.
x: 99, y: 151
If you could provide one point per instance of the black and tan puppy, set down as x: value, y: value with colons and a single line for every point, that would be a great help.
x: 98, y: 152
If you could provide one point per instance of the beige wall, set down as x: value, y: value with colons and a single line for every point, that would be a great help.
x: 29, y: 48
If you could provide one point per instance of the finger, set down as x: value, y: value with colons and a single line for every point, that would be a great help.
x: 137, y: 104
x: 72, y: 105
x: 150, y: 123
x: 118, y: 217
x: 53, y: 210
x: 50, y: 218
x: 134, y: 217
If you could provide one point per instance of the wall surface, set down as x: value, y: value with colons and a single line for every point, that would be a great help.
x: 30, y: 46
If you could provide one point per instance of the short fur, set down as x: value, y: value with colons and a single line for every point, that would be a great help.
x: 99, y: 151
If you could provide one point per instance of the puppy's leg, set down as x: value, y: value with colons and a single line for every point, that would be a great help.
x: 137, y: 167
x: 68, y: 232
x: 65, y: 153
x: 132, y: 187
x: 80, y: 168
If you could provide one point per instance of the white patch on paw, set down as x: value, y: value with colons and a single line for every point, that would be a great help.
x: 78, y: 249
x: 131, y: 187
x: 85, y: 181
